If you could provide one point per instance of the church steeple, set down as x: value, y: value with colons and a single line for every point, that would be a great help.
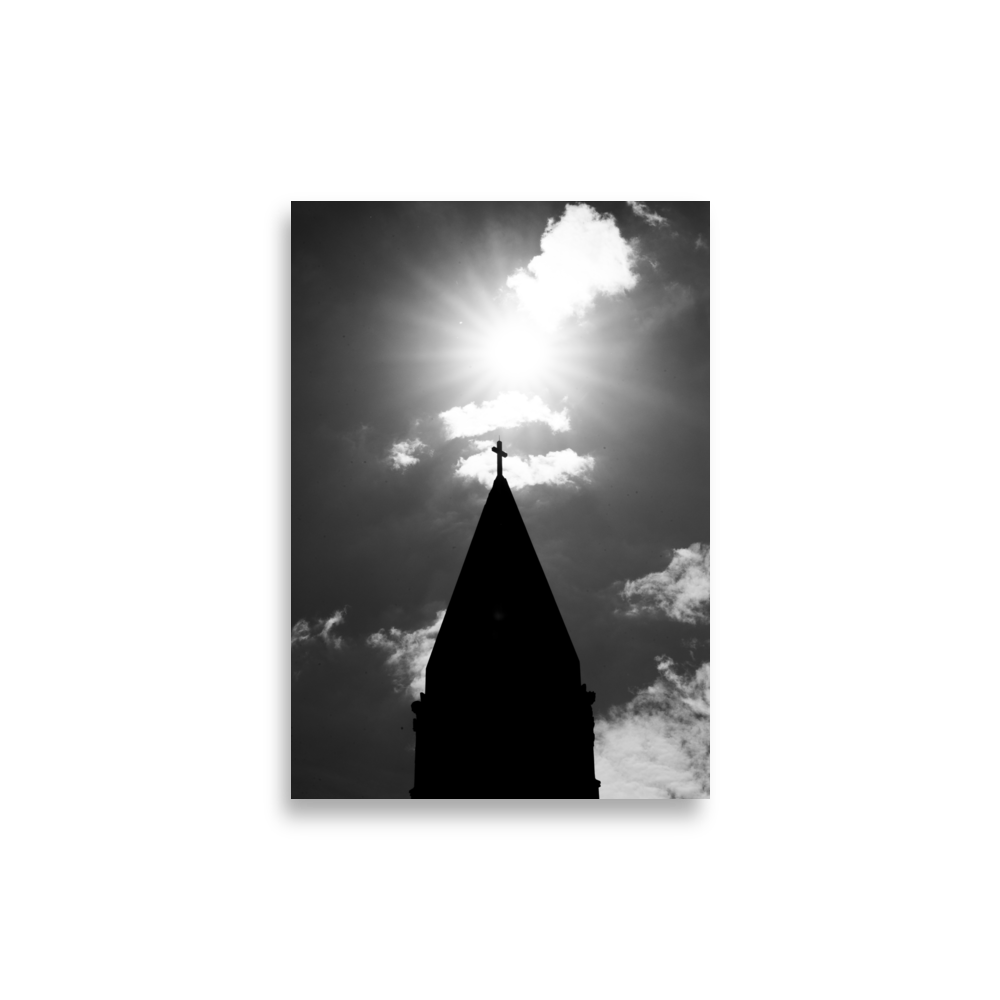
x: 504, y: 714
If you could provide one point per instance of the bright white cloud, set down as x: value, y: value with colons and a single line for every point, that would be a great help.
x: 509, y: 409
x: 657, y: 745
x: 556, y: 468
x: 681, y: 591
x: 327, y: 634
x: 583, y: 256
x: 309, y: 639
x: 647, y: 214
x: 403, y: 453
x: 408, y: 653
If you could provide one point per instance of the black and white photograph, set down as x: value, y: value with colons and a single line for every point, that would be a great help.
x: 500, y: 500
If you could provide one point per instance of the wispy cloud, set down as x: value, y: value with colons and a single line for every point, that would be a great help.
x: 700, y: 243
x: 647, y: 214
x: 657, y: 745
x: 583, y: 256
x: 408, y: 653
x: 403, y: 453
x: 311, y: 640
x: 681, y: 591
x: 509, y: 409
x: 555, y: 468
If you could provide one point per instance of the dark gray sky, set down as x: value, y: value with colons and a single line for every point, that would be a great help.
x: 577, y: 332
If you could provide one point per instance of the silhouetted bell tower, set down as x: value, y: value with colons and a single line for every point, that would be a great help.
x: 504, y: 714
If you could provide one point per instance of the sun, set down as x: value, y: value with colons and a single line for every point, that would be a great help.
x: 494, y: 345
x: 515, y: 351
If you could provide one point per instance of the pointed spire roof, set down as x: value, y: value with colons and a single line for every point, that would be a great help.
x: 504, y: 714
x: 502, y: 626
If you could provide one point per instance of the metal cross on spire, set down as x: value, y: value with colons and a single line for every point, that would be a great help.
x: 501, y: 455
